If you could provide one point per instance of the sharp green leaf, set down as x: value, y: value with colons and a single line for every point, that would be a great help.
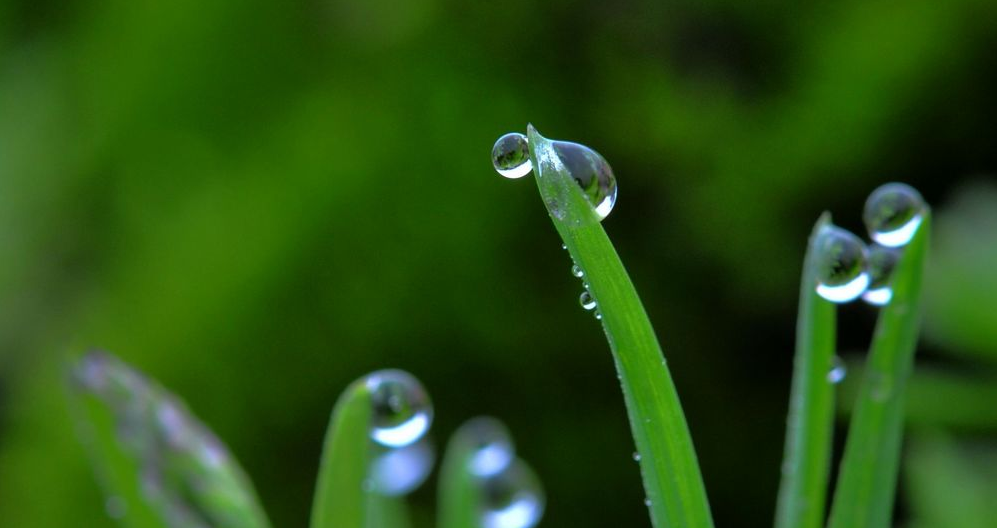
x: 809, y: 427
x: 670, y: 471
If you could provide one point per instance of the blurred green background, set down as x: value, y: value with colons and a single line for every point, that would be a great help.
x: 257, y: 202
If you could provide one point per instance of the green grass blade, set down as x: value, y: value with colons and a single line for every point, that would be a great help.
x: 340, y: 498
x: 154, y: 457
x: 387, y: 512
x: 458, y: 495
x: 809, y: 427
x: 672, y: 480
x: 867, y: 482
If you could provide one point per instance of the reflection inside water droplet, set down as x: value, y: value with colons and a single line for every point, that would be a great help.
x: 838, y: 371
x: 512, y: 498
x: 893, y: 213
x: 398, y: 471
x: 511, y: 156
x: 402, y: 411
x: 881, y: 263
x: 840, y: 257
x: 586, y: 300
x: 592, y: 173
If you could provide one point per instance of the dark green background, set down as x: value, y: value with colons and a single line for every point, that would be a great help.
x: 258, y: 201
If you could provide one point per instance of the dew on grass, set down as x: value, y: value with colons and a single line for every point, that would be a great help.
x: 838, y: 371
x: 892, y: 214
x: 841, y: 262
x: 511, y: 156
x: 586, y: 300
x: 398, y: 471
x: 881, y: 261
x: 402, y: 411
x: 493, y: 448
x: 636, y: 456
x: 576, y: 271
x: 512, y: 498
x: 592, y: 173
x: 598, y: 315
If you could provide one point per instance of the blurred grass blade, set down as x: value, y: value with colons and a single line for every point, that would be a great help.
x: 458, y: 495
x: 809, y: 427
x: 386, y: 512
x: 671, y: 475
x: 865, y: 491
x: 160, y: 465
x: 340, y: 495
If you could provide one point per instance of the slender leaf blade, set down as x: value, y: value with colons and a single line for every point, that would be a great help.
x: 670, y: 471
x: 810, y: 424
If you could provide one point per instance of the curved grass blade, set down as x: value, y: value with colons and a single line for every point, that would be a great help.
x: 340, y: 497
x: 867, y: 482
x: 160, y: 465
x: 458, y: 495
x: 669, y: 468
x: 809, y: 427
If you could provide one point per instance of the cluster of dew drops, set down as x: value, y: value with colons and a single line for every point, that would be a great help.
x: 511, y: 159
x: 510, y: 494
x: 848, y: 268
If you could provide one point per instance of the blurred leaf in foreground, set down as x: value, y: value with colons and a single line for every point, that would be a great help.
x: 159, y: 465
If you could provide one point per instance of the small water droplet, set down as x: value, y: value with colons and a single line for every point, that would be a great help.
x: 511, y: 156
x: 636, y: 456
x: 564, y: 247
x: 398, y: 471
x: 893, y: 212
x: 592, y: 172
x: 881, y: 262
x: 402, y: 410
x: 512, y: 498
x: 838, y: 371
x: 841, y: 260
x: 576, y: 270
x: 586, y: 300
x: 598, y: 315
x: 493, y: 449
x: 647, y: 502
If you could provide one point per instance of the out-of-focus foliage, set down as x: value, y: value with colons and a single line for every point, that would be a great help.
x: 256, y: 202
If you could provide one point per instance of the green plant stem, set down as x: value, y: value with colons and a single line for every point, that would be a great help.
x: 459, y: 495
x: 340, y: 499
x: 672, y: 480
x: 809, y: 427
x: 867, y: 482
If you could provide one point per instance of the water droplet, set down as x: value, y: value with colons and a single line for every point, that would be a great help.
x: 493, y: 449
x: 511, y: 156
x: 880, y: 262
x: 592, y: 173
x: 840, y: 256
x: 636, y: 456
x: 893, y: 212
x: 598, y: 315
x: 837, y: 372
x: 398, y: 471
x: 577, y: 271
x: 647, y: 502
x: 512, y: 498
x: 564, y: 247
x: 402, y: 410
x: 586, y: 300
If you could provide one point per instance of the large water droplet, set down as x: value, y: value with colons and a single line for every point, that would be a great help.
x: 586, y: 300
x: 398, y: 471
x: 493, y: 449
x: 893, y: 212
x: 840, y: 257
x: 512, y: 498
x: 881, y: 262
x: 402, y: 410
x: 511, y: 156
x: 592, y: 173
x: 838, y: 370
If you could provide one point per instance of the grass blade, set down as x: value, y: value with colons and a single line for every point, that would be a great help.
x: 669, y: 468
x: 160, y: 465
x: 340, y: 498
x: 867, y: 482
x: 809, y: 427
x: 459, y: 496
